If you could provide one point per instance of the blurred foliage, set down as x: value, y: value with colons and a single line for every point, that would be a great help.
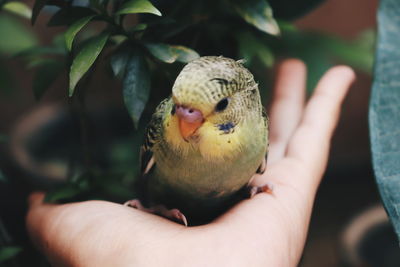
x: 18, y: 8
x: 321, y: 51
x: 8, y: 252
x: 2, y: 177
x: 144, y: 44
x: 18, y: 38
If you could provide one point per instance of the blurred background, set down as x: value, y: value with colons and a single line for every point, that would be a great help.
x: 42, y: 129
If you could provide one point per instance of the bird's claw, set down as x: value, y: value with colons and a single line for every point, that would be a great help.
x: 134, y: 203
x: 266, y: 188
x: 179, y: 216
x: 172, y: 214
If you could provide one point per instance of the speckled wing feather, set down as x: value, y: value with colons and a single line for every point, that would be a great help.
x: 154, y: 134
x: 263, y: 165
x: 204, y: 173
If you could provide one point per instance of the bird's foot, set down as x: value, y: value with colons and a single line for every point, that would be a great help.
x: 135, y: 203
x: 266, y: 188
x: 172, y: 214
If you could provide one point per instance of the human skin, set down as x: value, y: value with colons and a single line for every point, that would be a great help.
x: 266, y: 230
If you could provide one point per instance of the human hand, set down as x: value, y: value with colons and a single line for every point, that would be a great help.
x: 267, y: 230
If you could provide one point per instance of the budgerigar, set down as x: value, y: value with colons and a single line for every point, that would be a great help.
x: 204, y: 143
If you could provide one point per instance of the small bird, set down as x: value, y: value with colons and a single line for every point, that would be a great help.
x: 204, y: 143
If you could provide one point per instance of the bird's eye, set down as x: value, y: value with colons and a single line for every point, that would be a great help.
x: 222, y: 104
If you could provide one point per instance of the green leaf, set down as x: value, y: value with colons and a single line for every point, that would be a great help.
x: 138, y: 6
x: 70, y: 15
x: 85, y: 59
x: 171, y: 53
x: 251, y: 47
x: 162, y: 52
x: 58, y: 42
x: 258, y: 13
x: 67, y: 191
x: 37, y: 7
x: 45, y: 75
x: 74, y: 29
x: 384, y: 110
x: 185, y: 54
x: 119, y: 59
x: 9, y: 252
x: 136, y: 85
x: 118, y: 39
x: 139, y: 27
x: 18, y: 8
x: 358, y: 54
x: 16, y: 37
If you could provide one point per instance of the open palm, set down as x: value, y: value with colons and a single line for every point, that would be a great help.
x: 267, y: 230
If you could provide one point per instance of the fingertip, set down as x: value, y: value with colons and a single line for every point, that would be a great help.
x: 344, y: 72
x: 293, y: 61
x: 336, y: 81
x: 291, y: 78
x: 36, y: 198
x: 292, y: 64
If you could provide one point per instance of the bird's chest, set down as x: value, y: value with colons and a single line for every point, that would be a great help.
x: 205, y: 175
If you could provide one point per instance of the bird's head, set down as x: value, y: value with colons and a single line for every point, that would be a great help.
x: 209, y: 90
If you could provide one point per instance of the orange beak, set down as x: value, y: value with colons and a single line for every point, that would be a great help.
x: 187, y: 129
x: 189, y: 120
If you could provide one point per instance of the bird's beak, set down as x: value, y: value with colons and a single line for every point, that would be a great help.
x: 190, y: 120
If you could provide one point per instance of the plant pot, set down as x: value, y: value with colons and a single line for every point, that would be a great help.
x: 369, y: 240
x: 49, y: 146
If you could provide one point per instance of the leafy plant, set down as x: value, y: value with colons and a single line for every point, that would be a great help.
x: 144, y: 43
x: 384, y: 110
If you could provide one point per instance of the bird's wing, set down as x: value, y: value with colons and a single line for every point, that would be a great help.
x: 154, y: 134
x: 263, y: 166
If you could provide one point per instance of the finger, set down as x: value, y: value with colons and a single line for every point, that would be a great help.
x: 35, y: 216
x: 287, y: 105
x: 35, y: 199
x: 311, y: 141
x: 35, y: 219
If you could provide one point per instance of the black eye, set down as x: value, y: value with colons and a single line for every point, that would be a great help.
x: 222, y: 104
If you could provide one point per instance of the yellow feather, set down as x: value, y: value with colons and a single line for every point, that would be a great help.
x: 215, y: 145
x: 211, y: 143
x: 174, y: 137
